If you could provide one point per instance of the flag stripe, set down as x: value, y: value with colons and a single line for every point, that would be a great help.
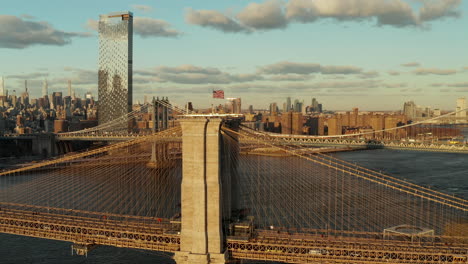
x: 218, y: 94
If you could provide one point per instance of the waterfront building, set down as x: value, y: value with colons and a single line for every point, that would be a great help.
x: 251, y: 111
x: 297, y: 123
x: 409, y: 110
x: 236, y: 103
x: 461, y: 104
x: 273, y: 109
x: 335, y: 126
x: 286, y: 123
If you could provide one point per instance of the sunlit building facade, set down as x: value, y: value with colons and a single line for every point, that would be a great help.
x: 461, y: 104
x: 2, y: 86
x: 115, y: 66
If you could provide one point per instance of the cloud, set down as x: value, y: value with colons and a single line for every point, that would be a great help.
x: 346, y: 85
x: 267, y: 15
x: 79, y: 76
x: 432, y: 9
x: 386, y: 12
x: 411, y: 64
x: 173, y: 91
x: 340, y: 70
x: 150, y: 27
x: 290, y: 77
x: 146, y: 80
x: 199, y: 78
x: 144, y: 27
x: 394, y: 85
x: 369, y: 75
x: 26, y: 16
x: 191, y: 74
x: 463, y: 84
x: 393, y: 73
x: 143, y: 8
x: 27, y: 76
x: 455, y: 85
x: 286, y: 67
x: 427, y: 71
x: 188, y: 68
x: 214, y: 19
x: 415, y: 90
x: 335, y: 77
x: 16, y: 33
x: 276, y: 14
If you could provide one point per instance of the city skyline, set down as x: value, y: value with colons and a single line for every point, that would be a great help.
x: 262, y: 51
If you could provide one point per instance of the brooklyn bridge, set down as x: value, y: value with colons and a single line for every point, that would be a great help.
x: 210, y: 190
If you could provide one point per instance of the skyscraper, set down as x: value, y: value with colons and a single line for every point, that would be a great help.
x: 115, y: 66
x: 2, y: 86
x: 461, y: 104
x: 273, y: 109
x: 315, y: 104
x: 409, y: 110
x: 69, y: 88
x: 45, y: 87
x: 288, y: 104
x: 237, y: 106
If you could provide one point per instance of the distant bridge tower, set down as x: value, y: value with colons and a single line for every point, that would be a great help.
x: 206, y: 192
x: 160, y: 118
x: 160, y: 113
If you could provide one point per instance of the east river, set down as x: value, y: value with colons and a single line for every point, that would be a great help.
x: 442, y: 171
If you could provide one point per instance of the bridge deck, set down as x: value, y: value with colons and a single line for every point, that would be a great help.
x: 308, y: 248
x: 265, y: 245
x: 86, y: 230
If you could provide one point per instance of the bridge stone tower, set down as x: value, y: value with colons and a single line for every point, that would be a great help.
x: 203, y: 193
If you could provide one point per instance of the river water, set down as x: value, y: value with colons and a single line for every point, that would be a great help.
x: 443, y: 171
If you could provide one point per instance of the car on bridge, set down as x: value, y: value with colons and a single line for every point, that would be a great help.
x: 317, y: 252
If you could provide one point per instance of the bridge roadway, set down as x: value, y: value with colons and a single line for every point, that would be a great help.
x: 160, y: 235
x: 98, y: 137
x: 356, y: 248
x: 111, y: 229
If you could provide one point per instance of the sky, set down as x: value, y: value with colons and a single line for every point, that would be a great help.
x: 371, y: 54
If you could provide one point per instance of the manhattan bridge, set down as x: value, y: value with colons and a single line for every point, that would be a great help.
x: 208, y: 189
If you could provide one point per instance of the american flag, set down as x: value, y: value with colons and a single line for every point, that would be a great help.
x: 218, y: 94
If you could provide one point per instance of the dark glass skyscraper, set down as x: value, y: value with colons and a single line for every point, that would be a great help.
x: 115, y: 66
